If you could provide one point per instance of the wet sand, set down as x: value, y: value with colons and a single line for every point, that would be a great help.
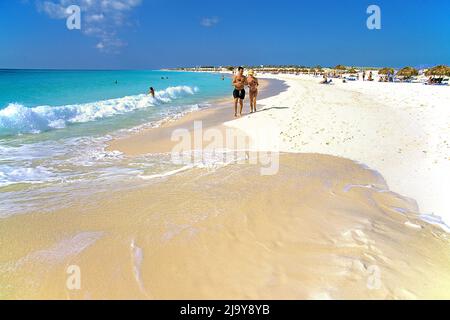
x: 322, y: 228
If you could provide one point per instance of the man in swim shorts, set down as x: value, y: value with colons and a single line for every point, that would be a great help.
x: 239, y: 83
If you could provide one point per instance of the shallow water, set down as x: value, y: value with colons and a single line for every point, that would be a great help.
x: 54, y: 126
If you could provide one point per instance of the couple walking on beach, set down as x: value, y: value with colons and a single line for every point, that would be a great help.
x: 239, y: 83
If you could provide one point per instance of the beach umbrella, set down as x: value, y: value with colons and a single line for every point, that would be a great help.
x: 386, y: 71
x: 352, y: 70
x: 439, y: 71
x: 340, y: 67
x: 407, y: 72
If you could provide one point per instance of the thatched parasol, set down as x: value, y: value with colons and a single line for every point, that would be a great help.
x: 318, y: 67
x: 340, y: 67
x: 386, y: 71
x: 439, y: 71
x: 407, y: 72
x: 352, y: 70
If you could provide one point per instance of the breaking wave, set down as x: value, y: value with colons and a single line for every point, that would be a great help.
x: 18, y: 119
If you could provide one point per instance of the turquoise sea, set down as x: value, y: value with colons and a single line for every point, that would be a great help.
x: 37, y: 101
x: 54, y: 126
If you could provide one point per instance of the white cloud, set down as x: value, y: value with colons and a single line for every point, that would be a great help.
x: 95, y: 17
x: 53, y: 10
x: 101, y: 19
x: 209, y: 22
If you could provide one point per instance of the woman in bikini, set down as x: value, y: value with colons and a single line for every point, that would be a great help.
x: 253, y: 85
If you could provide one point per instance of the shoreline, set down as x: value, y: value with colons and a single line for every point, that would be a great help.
x: 213, y: 235
x: 344, y: 120
x: 158, y: 139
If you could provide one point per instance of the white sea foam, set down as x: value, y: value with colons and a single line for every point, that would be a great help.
x: 10, y: 175
x: 171, y: 115
x: 66, y: 167
x: 72, y: 159
x: 18, y: 119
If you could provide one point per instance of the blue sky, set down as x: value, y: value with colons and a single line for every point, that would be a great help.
x: 150, y: 34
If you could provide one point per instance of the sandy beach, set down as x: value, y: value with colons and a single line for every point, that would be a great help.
x: 313, y: 231
x: 160, y: 140
x: 189, y: 151
x: 400, y: 130
x: 361, y: 165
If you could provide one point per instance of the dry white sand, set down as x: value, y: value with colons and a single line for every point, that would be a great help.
x: 402, y: 130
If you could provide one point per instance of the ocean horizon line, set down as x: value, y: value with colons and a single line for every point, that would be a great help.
x: 417, y: 66
x: 74, y: 69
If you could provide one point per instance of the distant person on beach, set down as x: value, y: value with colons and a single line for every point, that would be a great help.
x: 152, y: 92
x: 253, y: 84
x: 364, y: 76
x: 239, y: 83
x: 370, y: 76
x: 325, y: 79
